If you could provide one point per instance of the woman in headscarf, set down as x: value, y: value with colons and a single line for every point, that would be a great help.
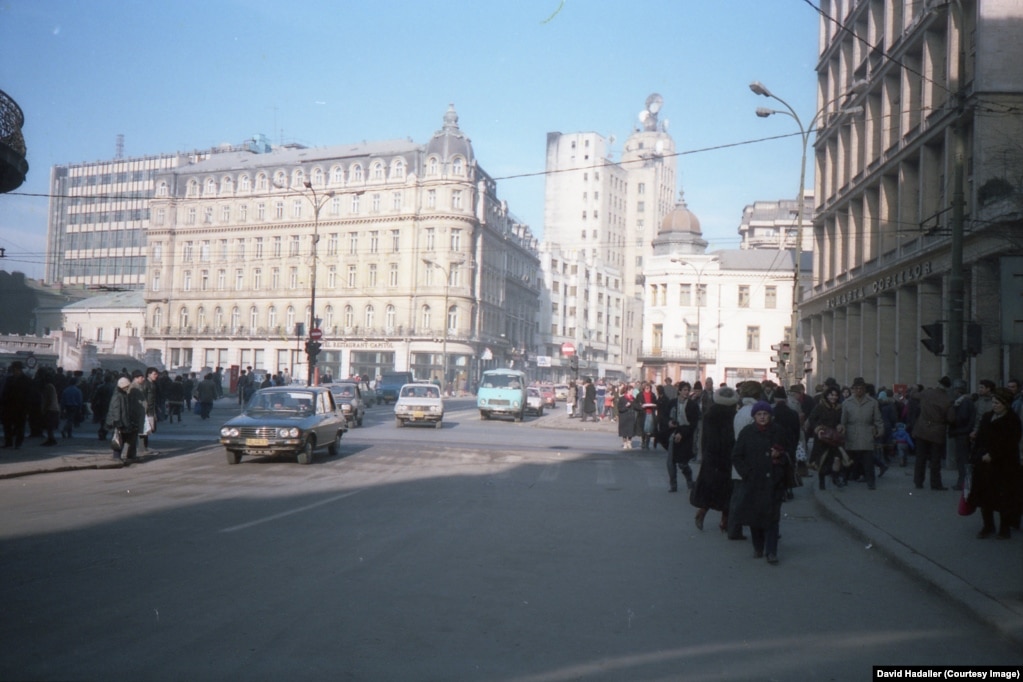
x: 996, y: 476
x: 767, y: 474
x: 714, y: 483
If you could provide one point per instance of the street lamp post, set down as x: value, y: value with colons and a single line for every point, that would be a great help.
x: 444, y: 341
x: 760, y: 89
x: 312, y: 344
x: 699, y: 306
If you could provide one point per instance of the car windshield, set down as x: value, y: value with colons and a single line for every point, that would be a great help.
x: 345, y: 391
x: 501, y: 381
x: 290, y: 403
x: 420, y: 392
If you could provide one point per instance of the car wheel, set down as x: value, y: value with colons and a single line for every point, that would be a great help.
x: 233, y: 456
x: 484, y: 415
x: 539, y: 413
x: 335, y: 446
x: 520, y: 415
x: 305, y: 455
x: 398, y: 423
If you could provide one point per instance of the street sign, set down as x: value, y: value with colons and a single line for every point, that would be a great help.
x: 315, y: 333
x: 568, y: 348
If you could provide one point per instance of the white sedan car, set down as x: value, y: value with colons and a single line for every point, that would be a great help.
x: 534, y: 401
x: 419, y: 404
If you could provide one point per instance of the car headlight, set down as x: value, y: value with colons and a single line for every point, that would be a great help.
x: 285, y: 432
x: 229, y: 432
x: 346, y: 408
x: 516, y: 403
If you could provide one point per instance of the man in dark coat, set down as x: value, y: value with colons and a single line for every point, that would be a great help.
x: 713, y: 488
x: 589, y: 400
x: 996, y: 467
x: 14, y: 405
x: 930, y: 432
x: 128, y: 415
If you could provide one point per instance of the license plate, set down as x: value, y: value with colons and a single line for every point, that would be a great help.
x: 418, y: 415
x: 257, y: 442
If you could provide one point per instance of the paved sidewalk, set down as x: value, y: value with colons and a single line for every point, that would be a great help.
x: 918, y: 531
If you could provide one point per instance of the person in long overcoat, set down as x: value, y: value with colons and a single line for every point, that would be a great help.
x: 713, y: 488
x: 626, y: 417
x: 824, y: 457
x: 767, y: 475
x: 996, y: 468
x: 128, y: 416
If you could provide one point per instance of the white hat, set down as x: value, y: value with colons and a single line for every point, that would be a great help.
x: 123, y: 382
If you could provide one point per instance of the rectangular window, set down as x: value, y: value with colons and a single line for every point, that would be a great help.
x: 430, y: 237
x: 753, y: 338
x: 293, y: 278
x: 353, y: 243
x: 259, y: 247
x: 392, y: 277
x: 278, y: 209
x: 225, y: 214
x: 395, y: 241
x: 332, y: 244
x: 396, y: 201
x: 295, y: 242
x: 239, y: 279
x: 257, y: 279
x: 261, y: 211
x: 296, y: 208
x: 456, y: 240
x: 277, y: 247
x: 350, y: 279
x: 186, y: 252
x: 221, y: 280
x: 243, y: 213
x: 744, y: 296
x: 456, y: 200
x: 372, y: 275
x: 374, y: 242
x: 275, y: 279
x: 771, y: 297
x: 431, y: 198
x: 355, y: 203
x: 191, y: 216
x: 376, y: 203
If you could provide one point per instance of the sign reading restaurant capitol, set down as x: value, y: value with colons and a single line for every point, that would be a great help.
x: 403, y: 250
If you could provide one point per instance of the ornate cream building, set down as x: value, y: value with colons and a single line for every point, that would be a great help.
x: 918, y: 216
x: 416, y: 258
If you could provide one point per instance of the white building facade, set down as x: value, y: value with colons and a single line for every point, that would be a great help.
x: 415, y: 262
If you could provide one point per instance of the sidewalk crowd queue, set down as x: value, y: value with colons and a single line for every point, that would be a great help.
x: 123, y: 406
x: 754, y: 441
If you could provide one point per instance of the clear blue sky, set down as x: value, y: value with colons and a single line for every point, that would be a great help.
x: 192, y: 74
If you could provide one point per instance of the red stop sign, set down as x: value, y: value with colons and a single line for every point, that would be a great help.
x: 315, y: 333
x: 568, y: 348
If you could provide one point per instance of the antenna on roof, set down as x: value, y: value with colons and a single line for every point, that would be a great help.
x: 119, y: 150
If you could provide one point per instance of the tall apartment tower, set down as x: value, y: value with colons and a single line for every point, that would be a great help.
x: 917, y: 192
x: 600, y: 217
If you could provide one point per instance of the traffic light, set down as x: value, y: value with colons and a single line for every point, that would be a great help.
x: 573, y: 363
x: 974, y: 342
x: 312, y: 349
x: 783, y: 352
x: 935, y: 341
x: 802, y: 362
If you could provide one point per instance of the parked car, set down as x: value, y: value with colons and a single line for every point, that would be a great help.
x: 549, y: 399
x: 348, y: 397
x: 561, y: 392
x: 534, y: 401
x: 419, y: 404
x: 285, y: 420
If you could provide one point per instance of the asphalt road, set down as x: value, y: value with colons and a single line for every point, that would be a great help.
x: 480, y: 551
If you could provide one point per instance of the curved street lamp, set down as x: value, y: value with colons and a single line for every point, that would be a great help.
x: 763, y: 112
x: 312, y: 347
x: 699, y: 305
x: 447, y: 290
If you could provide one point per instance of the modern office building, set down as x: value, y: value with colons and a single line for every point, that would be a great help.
x: 600, y: 217
x: 918, y: 165
x: 401, y: 253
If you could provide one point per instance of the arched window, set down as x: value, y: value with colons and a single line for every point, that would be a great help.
x: 243, y: 184
x: 280, y: 180
x: 200, y: 318
x: 236, y: 318
x: 398, y: 169
x: 390, y: 317
x: 298, y: 178
x: 370, y: 316
x: 424, y: 318
x: 289, y: 319
x: 218, y: 318
x: 349, y: 317
x: 226, y: 185
x: 378, y: 171
x: 328, y: 317
x: 193, y: 188
x: 183, y: 317
x: 161, y: 189
x: 253, y: 318
x: 453, y: 318
x: 432, y: 165
x: 317, y: 176
x: 211, y: 186
x: 357, y: 173
x: 271, y: 317
x: 337, y: 175
x: 458, y: 166
x: 261, y: 182
x: 157, y: 318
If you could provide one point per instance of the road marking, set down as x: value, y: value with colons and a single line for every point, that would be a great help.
x: 282, y: 515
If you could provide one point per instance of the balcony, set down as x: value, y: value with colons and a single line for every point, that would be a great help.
x: 13, y: 166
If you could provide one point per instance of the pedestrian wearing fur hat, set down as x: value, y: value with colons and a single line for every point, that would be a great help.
x: 996, y: 469
x: 128, y: 417
x: 767, y: 474
x: 713, y: 490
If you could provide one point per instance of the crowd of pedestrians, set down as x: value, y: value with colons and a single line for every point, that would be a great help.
x: 756, y: 441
